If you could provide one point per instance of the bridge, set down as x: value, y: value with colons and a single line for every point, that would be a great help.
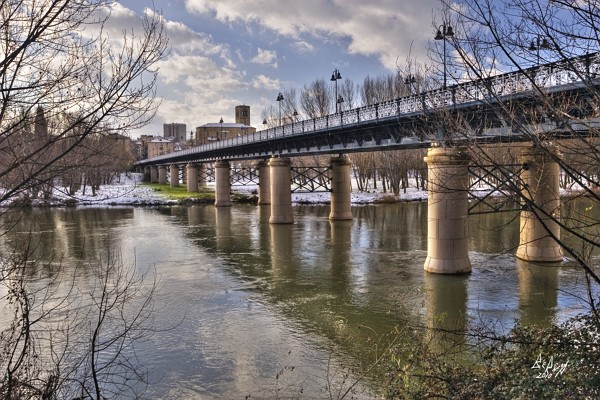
x: 506, y: 107
x: 410, y: 121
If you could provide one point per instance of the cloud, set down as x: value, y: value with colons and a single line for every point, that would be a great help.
x: 201, y: 75
x: 303, y: 47
x: 382, y: 28
x: 266, y: 57
x: 264, y: 82
x: 198, y: 81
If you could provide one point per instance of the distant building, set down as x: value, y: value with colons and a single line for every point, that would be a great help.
x: 141, y: 146
x: 208, y: 133
x: 160, y: 146
x: 213, y: 131
x: 242, y: 115
x: 176, y: 131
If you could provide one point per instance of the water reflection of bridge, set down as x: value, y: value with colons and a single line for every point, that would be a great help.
x: 440, y: 120
x: 336, y: 275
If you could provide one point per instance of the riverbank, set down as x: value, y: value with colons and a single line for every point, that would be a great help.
x: 129, y: 190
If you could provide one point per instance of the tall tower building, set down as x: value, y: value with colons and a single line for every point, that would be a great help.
x: 242, y: 115
x: 177, y: 131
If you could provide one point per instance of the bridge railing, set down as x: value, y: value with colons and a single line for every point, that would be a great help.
x: 543, y: 76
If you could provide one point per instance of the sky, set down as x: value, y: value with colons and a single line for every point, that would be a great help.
x: 225, y: 53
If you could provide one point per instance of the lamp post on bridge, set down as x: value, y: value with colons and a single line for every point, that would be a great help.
x: 443, y: 33
x: 279, y: 100
x: 339, y: 101
x: 540, y: 43
x: 221, y: 134
x: 335, y: 77
x: 409, y: 80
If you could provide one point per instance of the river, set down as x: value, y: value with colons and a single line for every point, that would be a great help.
x: 245, y: 308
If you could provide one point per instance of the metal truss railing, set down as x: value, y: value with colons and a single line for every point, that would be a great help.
x: 304, y: 179
x: 311, y: 179
x: 206, y: 173
x: 244, y: 176
x: 493, y: 188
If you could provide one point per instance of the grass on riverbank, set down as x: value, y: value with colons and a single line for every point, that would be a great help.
x: 181, y: 193
x: 205, y: 195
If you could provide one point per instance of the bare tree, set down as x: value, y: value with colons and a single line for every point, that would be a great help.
x: 57, y: 56
x: 67, y: 87
x: 518, y: 36
x: 348, y: 91
x: 316, y: 99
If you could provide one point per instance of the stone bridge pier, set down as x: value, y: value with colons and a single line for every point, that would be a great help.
x: 147, y: 173
x: 162, y: 174
x: 341, y: 189
x: 174, y: 175
x: 540, y: 231
x: 281, y: 192
x: 275, y: 189
x: 447, y: 210
x: 153, y: 174
x: 222, y: 184
x: 192, y: 177
x: 264, y: 183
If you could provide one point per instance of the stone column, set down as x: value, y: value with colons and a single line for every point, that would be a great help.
x: 341, y: 189
x: 281, y: 191
x: 540, y: 178
x: 447, y: 208
x: 264, y: 183
x: 192, y: 178
x: 174, y: 178
x: 147, y: 174
x: 202, y: 176
x: 162, y: 174
x: 154, y: 174
x: 222, y: 184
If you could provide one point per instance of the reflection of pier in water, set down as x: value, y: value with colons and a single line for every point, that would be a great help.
x: 538, y: 293
x: 327, y: 272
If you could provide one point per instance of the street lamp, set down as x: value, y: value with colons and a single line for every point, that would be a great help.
x: 221, y: 135
x: 539, y: 44
x: 408, y: 81
x: 335, y: 77
x: 443, y: 33
x: 279, y: 100
x: 340, y: 100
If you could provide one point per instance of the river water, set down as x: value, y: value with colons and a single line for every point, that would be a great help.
x: 245, y: 308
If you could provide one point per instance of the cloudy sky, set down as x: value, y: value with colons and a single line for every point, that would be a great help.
x: 230, y: 52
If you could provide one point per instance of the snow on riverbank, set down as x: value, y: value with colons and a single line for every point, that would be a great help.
x: 129, y: 190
